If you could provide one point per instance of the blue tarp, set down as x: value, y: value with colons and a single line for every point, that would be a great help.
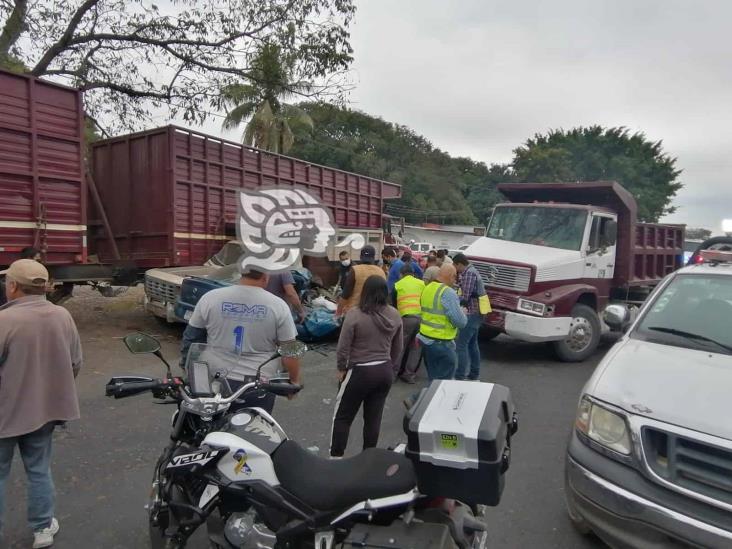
x: 318, y: 324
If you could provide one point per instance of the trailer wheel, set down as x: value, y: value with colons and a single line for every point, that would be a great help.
x: 584, y: 335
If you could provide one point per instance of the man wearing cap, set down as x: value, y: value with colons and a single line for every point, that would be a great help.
x: 355, y: 277
x: 40, y: 355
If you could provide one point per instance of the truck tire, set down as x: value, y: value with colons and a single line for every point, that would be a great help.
x: 584, y: 335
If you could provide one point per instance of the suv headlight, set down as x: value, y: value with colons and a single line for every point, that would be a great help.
x: 607, y: 428
x: 531, y: 307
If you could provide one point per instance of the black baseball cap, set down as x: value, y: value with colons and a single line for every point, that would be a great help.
x: 368, y: 253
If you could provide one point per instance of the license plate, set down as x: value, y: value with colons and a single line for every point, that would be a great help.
x: 187, y: 315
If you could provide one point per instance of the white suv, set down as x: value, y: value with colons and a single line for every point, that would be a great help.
x: 650, y: 456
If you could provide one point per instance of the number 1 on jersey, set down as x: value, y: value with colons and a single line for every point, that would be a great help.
x: 238, y: 339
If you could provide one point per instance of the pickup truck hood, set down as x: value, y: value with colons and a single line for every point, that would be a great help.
x: 176, y: 275
x: 685, y: 387
x: 545, y: 259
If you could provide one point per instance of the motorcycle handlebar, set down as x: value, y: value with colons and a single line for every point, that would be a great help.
x: 122, y: 389
x: 281, y: 389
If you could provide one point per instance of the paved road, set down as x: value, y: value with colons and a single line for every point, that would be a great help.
x: 102, y: 463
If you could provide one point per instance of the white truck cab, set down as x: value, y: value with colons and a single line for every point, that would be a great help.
x: 557, y: 255
x: 650, y: 456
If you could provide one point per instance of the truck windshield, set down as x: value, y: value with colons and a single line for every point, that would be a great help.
x: 693, y: 311
x: 542, y: 226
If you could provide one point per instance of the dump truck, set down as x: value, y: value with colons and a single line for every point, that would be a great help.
x: 558, y: 253
x: 165, y: 197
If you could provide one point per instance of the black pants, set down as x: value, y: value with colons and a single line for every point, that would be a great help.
x: 367, y: 385
x: 411, y: 351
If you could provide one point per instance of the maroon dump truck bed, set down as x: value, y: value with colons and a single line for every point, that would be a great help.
x: 646, y: 252
x: 171, y: 193
x: 42, y: 185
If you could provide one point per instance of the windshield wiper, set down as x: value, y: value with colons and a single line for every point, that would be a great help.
x: 690, y: 335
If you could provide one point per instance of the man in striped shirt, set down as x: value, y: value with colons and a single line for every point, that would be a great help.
x: 468, y: 352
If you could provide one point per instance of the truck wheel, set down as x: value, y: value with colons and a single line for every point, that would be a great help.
x: 584, y: 335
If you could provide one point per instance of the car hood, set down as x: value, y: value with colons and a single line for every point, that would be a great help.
x: 177, y: 274
x: 542, y: 257
x: 685, y: 387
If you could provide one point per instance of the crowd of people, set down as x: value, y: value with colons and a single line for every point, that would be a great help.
x: 395, y: 316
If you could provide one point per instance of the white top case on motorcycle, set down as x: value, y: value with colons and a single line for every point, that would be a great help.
x: 458, y: 437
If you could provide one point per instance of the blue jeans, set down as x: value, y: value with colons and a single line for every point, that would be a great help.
x: 440, y: 359
x: 468, y: 353
x: 35, y: 451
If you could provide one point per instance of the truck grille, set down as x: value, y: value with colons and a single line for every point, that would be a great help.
x: 159, y: 290
x: 504, y: 301
x: 504, y: 276
x: 690, y: 464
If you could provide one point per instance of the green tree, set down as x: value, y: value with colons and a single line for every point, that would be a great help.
x: 272, y: 123
x: 132, y: 59
x: 481, y: 186
x: 698, y: 233
x: 596, y: 153
x: 435, y: 186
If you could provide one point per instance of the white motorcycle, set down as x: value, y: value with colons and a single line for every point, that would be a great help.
x: 233, y: 468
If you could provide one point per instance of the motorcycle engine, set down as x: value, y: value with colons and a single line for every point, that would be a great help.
x: 244, y: 532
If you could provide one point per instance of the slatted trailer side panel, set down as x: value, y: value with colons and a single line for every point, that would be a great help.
x: 184, y: 187
x: 43, y: 195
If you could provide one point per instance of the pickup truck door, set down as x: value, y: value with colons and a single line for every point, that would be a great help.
x: 600, y: 251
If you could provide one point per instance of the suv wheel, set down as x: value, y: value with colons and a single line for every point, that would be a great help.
x: 584, y: 335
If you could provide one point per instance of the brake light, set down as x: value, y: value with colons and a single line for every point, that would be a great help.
x: 716, y: 256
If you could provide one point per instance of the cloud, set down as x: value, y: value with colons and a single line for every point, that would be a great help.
x: 478, y: 77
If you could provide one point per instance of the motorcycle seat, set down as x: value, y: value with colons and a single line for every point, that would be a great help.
x: 328, y: 485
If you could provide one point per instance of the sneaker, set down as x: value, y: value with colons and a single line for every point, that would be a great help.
x: 44, y: 538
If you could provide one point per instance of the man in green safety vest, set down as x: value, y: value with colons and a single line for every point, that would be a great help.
x: 406, y: 298
x: 442, y: 316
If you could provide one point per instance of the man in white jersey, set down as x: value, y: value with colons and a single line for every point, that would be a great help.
x: 250, y: 322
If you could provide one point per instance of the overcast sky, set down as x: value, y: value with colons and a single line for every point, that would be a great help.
x: 477, y: 77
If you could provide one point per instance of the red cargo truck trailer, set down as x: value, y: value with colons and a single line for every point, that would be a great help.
x: 43, y: 194
x: 559, y: 253
x: 171, y: 194
x: 161, y: 198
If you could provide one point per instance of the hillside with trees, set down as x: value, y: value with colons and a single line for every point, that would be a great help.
x: 444, y: 189
x: 595, y: 153
x: 436, y: 187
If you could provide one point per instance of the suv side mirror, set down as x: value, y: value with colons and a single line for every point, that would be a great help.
x: 617, y: 317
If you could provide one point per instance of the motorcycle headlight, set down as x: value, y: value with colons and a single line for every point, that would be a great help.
x: 604, y: 426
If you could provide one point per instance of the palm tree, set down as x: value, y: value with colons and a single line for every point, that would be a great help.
x: 272, y: 123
